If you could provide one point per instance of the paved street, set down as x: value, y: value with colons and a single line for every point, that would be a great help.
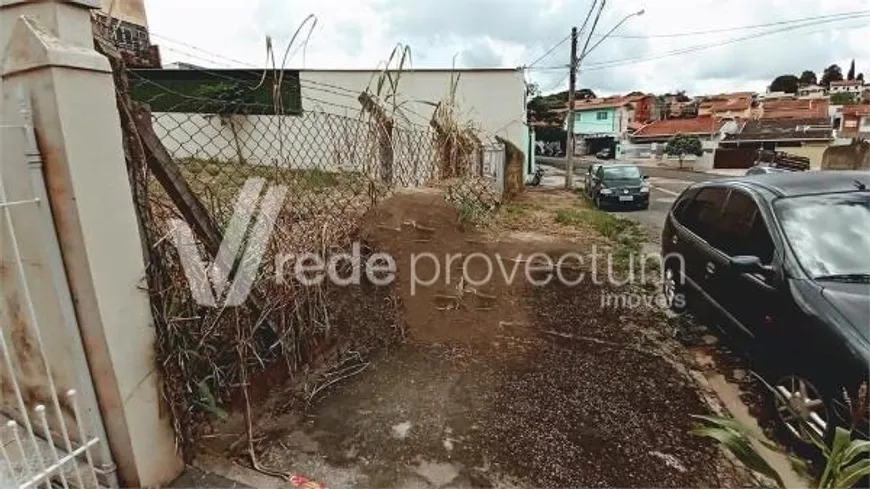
x: 665, y: 186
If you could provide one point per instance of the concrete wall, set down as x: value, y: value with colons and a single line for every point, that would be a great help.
x: 331, y: 135
x: 49, y: 57
x: 855, y: 156
x: 813, y: 151
x: 494, y: 99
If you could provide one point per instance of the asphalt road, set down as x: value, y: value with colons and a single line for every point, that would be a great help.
x: 665, y: 186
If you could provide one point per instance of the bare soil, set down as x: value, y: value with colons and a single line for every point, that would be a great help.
x: 496, y: 385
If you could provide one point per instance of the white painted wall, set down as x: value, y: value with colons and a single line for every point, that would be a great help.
x: 329, y: 134
x: 493, y: 99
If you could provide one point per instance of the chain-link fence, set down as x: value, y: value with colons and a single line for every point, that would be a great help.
x: 189, y: 162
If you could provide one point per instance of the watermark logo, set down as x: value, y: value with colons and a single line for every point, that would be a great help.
x: 228, y: 280
x: 209, y: 281
x: 635, y: 300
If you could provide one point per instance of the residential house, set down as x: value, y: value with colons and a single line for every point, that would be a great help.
x: 854, y: 122
x: 126, y: 22
x: 794, y: 108
x: 847, y: 86
x: 678, y: 110
x: 603, y: 122
x: 649, y: 141
x: 807, y: 137
x: 812, y: 91
x: 728, y: 105
x: 775, y: 95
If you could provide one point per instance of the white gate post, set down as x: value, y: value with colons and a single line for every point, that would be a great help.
x: 48, y: 52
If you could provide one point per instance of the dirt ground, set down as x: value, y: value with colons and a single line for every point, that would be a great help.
x: 495, y: 385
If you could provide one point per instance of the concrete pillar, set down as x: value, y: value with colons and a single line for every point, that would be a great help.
x: 48, y: 54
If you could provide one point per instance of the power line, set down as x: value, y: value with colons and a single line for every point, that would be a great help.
x: 699, y: 47
x: 194, y: 56
x: 702, y: 47
x: 191, y: 46
x: 738, y: 28
x: 533, y: 63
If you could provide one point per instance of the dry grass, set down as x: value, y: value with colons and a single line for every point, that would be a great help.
x: 536, y: 212
x: 208, y: 356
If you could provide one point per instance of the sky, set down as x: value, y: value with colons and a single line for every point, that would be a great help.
x: 642, y: 54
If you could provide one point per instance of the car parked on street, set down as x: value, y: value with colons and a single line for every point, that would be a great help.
x: 588, y: 177
x: 605, y: 154
x: 619, y: 185
x: 783, y: 260
x: 764, y: 169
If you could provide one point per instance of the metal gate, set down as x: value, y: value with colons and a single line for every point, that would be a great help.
x: 493, y: 163
x: 51, y: 433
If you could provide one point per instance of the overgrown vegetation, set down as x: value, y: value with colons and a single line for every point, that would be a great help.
x: 472, y: 213
x: 625, y: 234
x: 847, y: 458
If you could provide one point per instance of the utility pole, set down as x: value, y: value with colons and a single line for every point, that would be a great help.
x: 569, y: 144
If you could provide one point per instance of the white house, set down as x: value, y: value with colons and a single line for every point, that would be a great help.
x: 847, y: 86
x: 494, y: 99
x: 811, y: 91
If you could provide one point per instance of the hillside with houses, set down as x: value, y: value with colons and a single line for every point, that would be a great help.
x: 796, y: 115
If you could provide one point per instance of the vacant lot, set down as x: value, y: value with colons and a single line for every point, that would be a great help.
x: 502, y: 384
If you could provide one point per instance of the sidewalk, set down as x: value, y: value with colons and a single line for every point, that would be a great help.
x: 672, y: 165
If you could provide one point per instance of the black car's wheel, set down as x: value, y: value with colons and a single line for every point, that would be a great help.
x: 674, y: 288
x: 644, y: 207
x: 804, y: 410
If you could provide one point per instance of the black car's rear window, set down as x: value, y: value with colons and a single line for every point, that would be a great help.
x: 830, y: 234
x: 618, y: 172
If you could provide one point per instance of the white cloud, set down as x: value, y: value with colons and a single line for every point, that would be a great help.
x: 362, y: 33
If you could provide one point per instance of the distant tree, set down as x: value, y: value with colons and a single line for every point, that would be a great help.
x: 808, y: 77
x: 540, y: 110
x: 851, y: 75
x: 584, y: 93
x: 681, y: 145
x: 832, y: 73
x: 860, y: 77
x: 679, y: 96
x: 785, y: 83
x: 632, y: 94
x: 842, y: 98
x: 533, y: 90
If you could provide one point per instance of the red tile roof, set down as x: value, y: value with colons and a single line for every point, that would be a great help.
x: 728, y: 102
x: 856, y: 110
x: 817, y: 128
x: 607, y: 102
x: 795, y: 108
x: 670, y: 127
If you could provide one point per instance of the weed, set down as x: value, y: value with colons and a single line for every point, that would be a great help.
x: 472, y: 213
x: 515, y: 209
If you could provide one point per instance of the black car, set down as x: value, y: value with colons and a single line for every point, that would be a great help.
x: 604, y: 154
x: 589, y: 176
x: 762, y: 168
x: 620, y: 185
x: 784, y: 261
